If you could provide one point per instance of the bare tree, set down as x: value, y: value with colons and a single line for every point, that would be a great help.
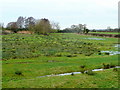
x: 55, y: 25
x: 12, y: 26
x: 74, y: 27
x: 20, y: 22
x: 80, y: 28
x: 109, y: 28
x: 29, y: 21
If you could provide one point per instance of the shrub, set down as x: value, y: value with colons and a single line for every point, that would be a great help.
x: 107, y: 53
x: 82, y: 71
x: 99, y: 53
x: 115, y: 69
x: 106, y: 66
x: 82, y: 66
x: 90, y: 72
x: 112, y: 65
x: 70, y: 55
x: 18, y: 72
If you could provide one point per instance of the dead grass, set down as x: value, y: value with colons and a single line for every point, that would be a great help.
x: 25, y: 32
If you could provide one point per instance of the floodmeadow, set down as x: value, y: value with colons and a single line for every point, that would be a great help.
x: 105, y: 32
x: 29, y: 56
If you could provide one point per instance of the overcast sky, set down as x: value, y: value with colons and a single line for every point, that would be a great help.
x: 97, y: 14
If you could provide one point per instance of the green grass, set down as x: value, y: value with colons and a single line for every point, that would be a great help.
x: 105, y: 32
x: 26, y: 57
x: 32, y: 68
x: 102, y: 79
x: 69, y: 45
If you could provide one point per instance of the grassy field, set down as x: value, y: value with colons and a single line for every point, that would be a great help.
x: 29, y: 46
x: 101, y: 79
x: 26, y: 57
x: 105, y: 32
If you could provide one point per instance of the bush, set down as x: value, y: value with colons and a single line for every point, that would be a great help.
x: 112, y: 65
x: 82, y: 66
x: 18, y: 73
x: 71, y: 55
x: 107, y: 53
x: 106, y: 66
x: 99, y: 53
x: 82, y: 71
x: 115, y: 69
x: 90, y: 72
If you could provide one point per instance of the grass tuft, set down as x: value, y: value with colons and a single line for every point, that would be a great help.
x: 18, y: 72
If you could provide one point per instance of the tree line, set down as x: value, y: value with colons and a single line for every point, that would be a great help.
x: 45, y: 26
x: 80, y: 28
x: 42, y: 26
x: 39, y: 26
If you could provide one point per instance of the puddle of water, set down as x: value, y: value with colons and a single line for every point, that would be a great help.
x: 111, y: 52
x: 117, y: 67
x: 64, y: 74
x: 97, y: 69
x: 117, y: 45
x: 95, y: 38
x: 73, y: 73
x: 68, y: 73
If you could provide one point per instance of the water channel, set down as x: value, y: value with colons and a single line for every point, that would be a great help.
x: 72, y: 73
